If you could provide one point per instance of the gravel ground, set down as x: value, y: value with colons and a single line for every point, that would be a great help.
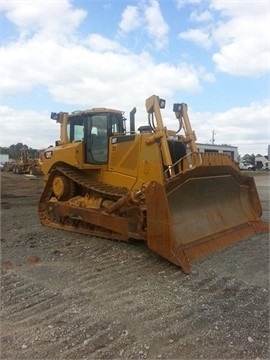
x: 68, y: 296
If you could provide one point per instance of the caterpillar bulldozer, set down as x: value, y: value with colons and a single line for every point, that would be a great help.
x: 151, y: 185
x: 26, y: 164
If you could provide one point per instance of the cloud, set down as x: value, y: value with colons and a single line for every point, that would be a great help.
x: 182, y: 3
x: 204, y: 16
x: 240, y: 32
x: 23, y: 124
x: 201, y: 37
x: 100, y: 43
x: 146, y: 17
x: 76, y: 74
x: 130, y: 19
x: 92, y: 69
x: 156, y: 25
x: 236, y: 126
x: 36, y: 16
x: 243, y: 39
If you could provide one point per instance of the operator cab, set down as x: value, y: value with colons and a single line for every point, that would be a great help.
x: 93, y: 128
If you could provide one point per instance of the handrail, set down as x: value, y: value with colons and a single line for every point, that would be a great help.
x: 190, y: 160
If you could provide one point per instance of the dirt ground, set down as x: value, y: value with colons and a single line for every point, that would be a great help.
x: 68, y: 296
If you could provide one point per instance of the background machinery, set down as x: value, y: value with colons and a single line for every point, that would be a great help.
x: 153, y: 185
x: 27, y: 164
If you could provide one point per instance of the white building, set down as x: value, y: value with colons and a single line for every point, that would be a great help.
x: 261, y: 163
x: 223, y: 149
x: 4, y: 158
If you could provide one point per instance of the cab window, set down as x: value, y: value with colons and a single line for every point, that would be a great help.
x: 99, y: 138
x: 75, y: 129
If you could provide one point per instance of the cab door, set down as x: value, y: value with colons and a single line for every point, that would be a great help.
x: 96, y: 129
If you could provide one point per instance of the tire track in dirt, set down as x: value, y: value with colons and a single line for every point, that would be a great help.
x: 90, y: 298
x: 82, y: 321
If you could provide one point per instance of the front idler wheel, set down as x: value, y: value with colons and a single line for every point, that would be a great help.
x: 63, y: 187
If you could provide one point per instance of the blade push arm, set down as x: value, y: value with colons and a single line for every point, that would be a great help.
x: 153, y: 105
x: 180, y: 111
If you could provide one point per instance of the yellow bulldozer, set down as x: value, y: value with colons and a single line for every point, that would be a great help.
x: 152, y: 184
x: 26, y: 164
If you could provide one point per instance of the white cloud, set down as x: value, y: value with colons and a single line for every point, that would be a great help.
x: 243, y: 40
x: 156, y: 25
x: 99, y: 43
x: 182, y: 3
x: 201, y: 37
x: 204, y: 16
x: 31, y: 16
x: 130, y: 20
x: 26, y: 126
x: 76, y: 74
x: 241, y: 35
x: 38, y: 61
x: 239, y: 8
x: 146, y: 17
x: 86, y: 69
x: 246, y: 127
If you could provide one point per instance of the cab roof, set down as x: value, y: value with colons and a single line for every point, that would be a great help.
x: 95, y: 111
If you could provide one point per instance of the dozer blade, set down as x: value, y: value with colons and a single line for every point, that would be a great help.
x: 201, y: 211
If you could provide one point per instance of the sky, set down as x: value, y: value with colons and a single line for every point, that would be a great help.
x: 67, y: 55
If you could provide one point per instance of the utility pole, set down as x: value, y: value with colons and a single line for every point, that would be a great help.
x: 213, y: 137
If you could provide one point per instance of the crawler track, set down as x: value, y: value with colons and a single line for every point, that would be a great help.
x: 88, y: 185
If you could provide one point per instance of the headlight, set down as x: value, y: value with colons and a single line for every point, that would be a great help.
x: 162, y: 103
x: 177, y: 107
x: 48, y: 154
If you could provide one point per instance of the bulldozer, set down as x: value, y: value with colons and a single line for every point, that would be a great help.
x: 151, y: 184
x: 26, y: 164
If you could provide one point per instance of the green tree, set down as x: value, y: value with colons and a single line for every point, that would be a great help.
x: 252, y: 159
x: 249, y: 159
x: 14, y: 151
x: 246, y: 158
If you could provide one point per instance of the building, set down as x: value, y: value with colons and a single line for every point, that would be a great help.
x: 4, y: 158
x: 232, y: 151
x: 261, y: 162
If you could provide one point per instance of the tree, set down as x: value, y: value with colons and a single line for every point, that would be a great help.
x: 248, y: 159
x: 14, y: 151
x: 252, y: 159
